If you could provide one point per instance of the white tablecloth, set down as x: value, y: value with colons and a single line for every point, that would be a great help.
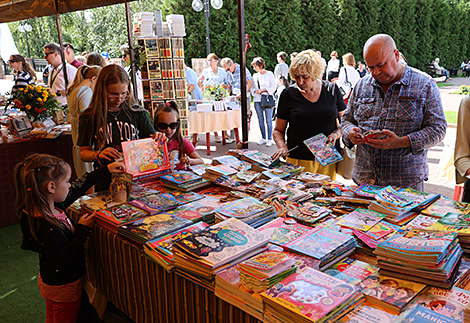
x: 202, y: 122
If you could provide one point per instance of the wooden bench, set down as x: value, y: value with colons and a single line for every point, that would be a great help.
x: 431, y: 70
x: 39, y: 64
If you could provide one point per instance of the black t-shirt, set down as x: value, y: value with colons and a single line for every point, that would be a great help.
x: 307, y: 119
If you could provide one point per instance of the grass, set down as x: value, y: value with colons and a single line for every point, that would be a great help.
x: 451, y: 116
x: 443, y: 84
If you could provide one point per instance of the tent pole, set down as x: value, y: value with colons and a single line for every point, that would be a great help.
x: 241, y: 50
x: 61, y: 44
x: 131, y: 48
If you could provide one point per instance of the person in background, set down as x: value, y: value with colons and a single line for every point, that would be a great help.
x: 348, y: 72
x: 45, y: 74
x: 282, y: 84
x: 191, y: 80
x: 79, y: 95
x: 138, y: 74
x: 56, y: 78
x: 112, y: 117
x: 465, y: 66
x: 324, y: 63
x: 212, y: 75
x: 233, y: 85
x: 94, y: 58
x: 85, y: 54
x: 264, y: 84
x: 361, y: 69
x: 69, y: 53
x: 281, y: 68
x: 310, y: 108
x: 43, y: 194
x: 332, y: 69
x: 181, y: 151
x: 81, y: 59
x: 24, y: 73
x: 105, y: 57
x: 462, y: 148
x: 442, y: 69
x: 406, y: 105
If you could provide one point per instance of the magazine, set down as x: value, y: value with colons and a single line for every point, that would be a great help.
x: 324, y: 151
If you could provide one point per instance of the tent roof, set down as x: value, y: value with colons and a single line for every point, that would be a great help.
x: 14, y: 10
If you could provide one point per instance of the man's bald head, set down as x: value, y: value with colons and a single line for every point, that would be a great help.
x: 383, y: 40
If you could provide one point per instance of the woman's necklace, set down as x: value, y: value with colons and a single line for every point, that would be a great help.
x: 115, y: 115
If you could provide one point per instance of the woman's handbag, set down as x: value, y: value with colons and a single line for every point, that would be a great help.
x: 267, y: 101
x: 345, y: 88
x: 345, y: 166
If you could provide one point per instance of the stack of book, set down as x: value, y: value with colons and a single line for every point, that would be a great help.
x: 176, y: 25
x: 248, y: 209
x: 231, y: 161
x: 200, y: 210
x: 370, y: 239
x: 455, y: 222
x: 309, y: 213
x: 202, y: 255
x: 154, y: 203
x: 116, y: 216
x: 443, y: 206
x: 265, y: 269
x: 260, y: 189
x: 352, y: 271
x: 143, y: 24
x: 161, y: 249
x: 369, y: 313
x: 429, y: 257
x: 184, y: 181
x: 152, y: 227
x: 218, y: 171
x: 309, y: 296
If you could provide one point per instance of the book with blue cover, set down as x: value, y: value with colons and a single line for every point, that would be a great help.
x: 154, y: 203
x: 324, y: 151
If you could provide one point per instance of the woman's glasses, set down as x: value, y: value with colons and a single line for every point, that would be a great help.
x: 114, y: 97
x: 163, y: 126
x: 11, y: 61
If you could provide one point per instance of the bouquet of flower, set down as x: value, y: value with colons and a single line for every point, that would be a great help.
x: 215, y: 92
x: 37, y: 101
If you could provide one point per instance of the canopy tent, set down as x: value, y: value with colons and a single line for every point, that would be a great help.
x: 7, y: 45
x: 14, y: 10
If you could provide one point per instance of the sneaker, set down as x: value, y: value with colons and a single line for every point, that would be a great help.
x: 262, y: 142
x: 217, y: 139
x: 269, y: 143
x: 229, y: 140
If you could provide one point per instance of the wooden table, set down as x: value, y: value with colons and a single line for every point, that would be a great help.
x: 207, y: 122
x: 12, y: 153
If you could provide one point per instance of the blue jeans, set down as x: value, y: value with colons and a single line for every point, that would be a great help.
x: 265, y: 117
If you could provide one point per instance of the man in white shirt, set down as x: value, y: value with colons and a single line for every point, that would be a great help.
x: 56, y: 76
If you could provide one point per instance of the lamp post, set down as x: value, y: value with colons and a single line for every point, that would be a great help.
x: 198, y: 5
x: 24, y: 27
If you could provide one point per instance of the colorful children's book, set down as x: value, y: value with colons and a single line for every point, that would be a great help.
x: 351, y: 271
x: 361, y: 219
x: 390, y: 197
x: 178, y: 196
x: 198, y: 210
x: 381, y: 230
x: 120, y: 188
x: 324, y: 151
x: 154, y: 203
x: 221, y: 170
x: 443, y: 206
x: 247, y: 175
x: 392, y: 294
x: 114, y: 217
x: 421, y: 222
x: 309, y: 295
x: 242, y: 208
x: 453, y: 222
x: 422, y: 314
x: 309, y: 213
x: 181, y: 177
x: 367, y: 190
x: 368, y: 313
x: 282, y: 233
x: 199, y: 169
x: 145, y: 157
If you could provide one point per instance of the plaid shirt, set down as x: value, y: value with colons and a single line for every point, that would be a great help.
x: 411, y: 107
x: 234, y: 79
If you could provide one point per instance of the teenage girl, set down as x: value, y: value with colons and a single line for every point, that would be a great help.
x: 43, y: 193
x: 181, y: 150
x: 24, y: 73
x: 113, y: 116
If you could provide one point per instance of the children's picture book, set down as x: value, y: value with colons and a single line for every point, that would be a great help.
x: 390, y: 293
x: 197, y: 210
x: 324, y: 151
x: 247, y: 175
x: 145, y: 157
x: 282, y: 233
x: 381, y: 230
x: 178, y: 196
x: 117, y: 215
x: 368, y: 313
x: 222, y: 169
x: 390, y: 197
x: 450, y: 303
x: 351, y: 271
x: 154, y: 203
x: 181, y: 177
x: 454, y: 222
x: 267, y: 264
x: 221, y: 243
x: 422, y: 314
x: 421, y: 222
x: 199, y: 169
x: 361, y: 219
x: 367, y: 190
x: 257, y: 157
x: 242, y: 208
x: 444, y: 205
x: 309, y: 213
x: 310, y: 294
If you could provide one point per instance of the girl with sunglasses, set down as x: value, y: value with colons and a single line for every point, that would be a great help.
x: 24, y: 73
x: 112, y: 117
x: 181, y: 150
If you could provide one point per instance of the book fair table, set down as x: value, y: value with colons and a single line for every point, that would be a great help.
x: 207, y: 122
x: 144, y: 291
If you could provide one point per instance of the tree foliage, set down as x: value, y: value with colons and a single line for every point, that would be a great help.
x: 422, y: 29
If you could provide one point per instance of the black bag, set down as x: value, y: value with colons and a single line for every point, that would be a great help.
x: 267, y: 101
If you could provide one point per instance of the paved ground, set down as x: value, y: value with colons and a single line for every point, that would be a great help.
x: 436, y: 183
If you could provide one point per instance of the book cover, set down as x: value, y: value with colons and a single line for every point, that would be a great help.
x: 368, y: 313
x: 258, y: 157
x: 361, y: 219
x: 368, y: 190
x: 153, y: 67
x: 144, y: 157
x: 120, y: 214
x: 228, y: 160
x: 282, y: 233
x: 215, y: 192
x: 242, y: 208
x: 181, y: 177
x: 222, y: 242
x: 199, y: 169
x: 320, y: 242
x: 391, y: 293
x: 309, y: 213
x: 247, y: 175
x: 156, y: 90
x: 197, y: 210
x: 151, y: 47
x: 453, y: 222
x: 381, y: 230
x: 324, y: 151
x: 309, y: 293
x: 422, y: 314
x: 443, y: 206
x: 351, y: 271
x: 421, y: 222
x: 177, y: 195
x: 390, y: 197
x: 154, y: 203
x: 120, y: 187
x: 222, y: 169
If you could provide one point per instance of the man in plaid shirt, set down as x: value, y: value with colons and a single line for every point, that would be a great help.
x: 406, y: 105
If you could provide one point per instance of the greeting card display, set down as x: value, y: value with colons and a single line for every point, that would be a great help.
x: 145, y: 157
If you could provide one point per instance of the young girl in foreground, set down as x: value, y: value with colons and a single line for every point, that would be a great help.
x: 43, y: 193
x: 180, y: 149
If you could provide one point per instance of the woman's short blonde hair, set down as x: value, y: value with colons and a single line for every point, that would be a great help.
x: 306, y: 63
x: 212, y: 56
x: 348, y: 59
x: 334, y: 53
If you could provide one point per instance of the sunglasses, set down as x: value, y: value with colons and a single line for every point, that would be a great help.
x: 47, y: 54
x: 163, y: 126
x: 11, y: 61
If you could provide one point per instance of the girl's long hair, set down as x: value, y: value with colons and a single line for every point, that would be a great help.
x: 97, y: 112
x: 31, y: 177
x: 26, y: 66
x: 84, y: 72
x: 170, y: 107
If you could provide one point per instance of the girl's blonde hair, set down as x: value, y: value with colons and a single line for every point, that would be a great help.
x: 26, y: 66
x: 306, y: 63
x: 170, y: 107
x: 84, y: 72
x: 349, y: 59
x: 97, y: 112
x: 31, y: 177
